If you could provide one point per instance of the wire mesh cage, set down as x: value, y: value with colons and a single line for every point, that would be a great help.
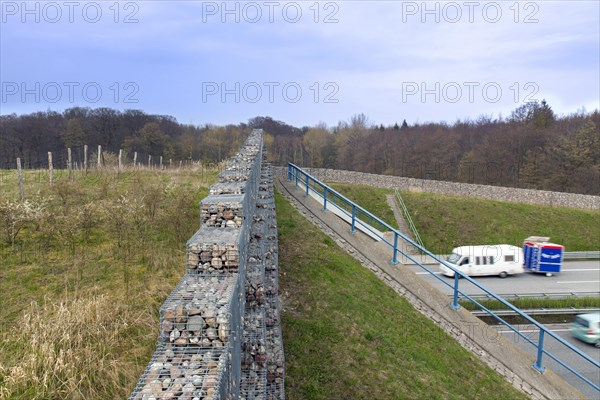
x: 275, y: 363
x: 228, y: 188
x: 254, y: 356
x: 255, y: 285
x: 200, y: 312
x: 186, y: 373
x: 236, y: 163
x: 216, y: 251
x: 224, y: 211
x: 234, y: 176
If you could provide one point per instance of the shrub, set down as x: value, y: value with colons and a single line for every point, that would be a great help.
x: 14, y: 215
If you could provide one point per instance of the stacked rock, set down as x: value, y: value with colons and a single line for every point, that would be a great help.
x: 201, y: 351
x: 216, y: 251
x: 228, y: 188
x: 223, y: 211
x: 175, y: 373
x: 254, y: 356
x: 275, y: 355
x: 198, y: 312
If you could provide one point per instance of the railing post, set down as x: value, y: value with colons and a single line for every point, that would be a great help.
x: 455, y: 305
x: 324, y: 198
x: 306, y: 184
x: 395, y: 256
x: 289, y: 172
x: 297, y: 171
x: 538, y: 363
x: 353, y: 219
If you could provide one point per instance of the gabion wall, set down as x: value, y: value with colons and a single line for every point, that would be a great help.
x: 488, y: 192
x: 220, y: 329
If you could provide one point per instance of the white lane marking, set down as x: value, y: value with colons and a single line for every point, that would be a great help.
x: 577, y: 281
x: 581, y: 269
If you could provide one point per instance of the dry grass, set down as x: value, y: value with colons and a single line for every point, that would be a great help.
x: 82, y: 280
x: 70, y: 349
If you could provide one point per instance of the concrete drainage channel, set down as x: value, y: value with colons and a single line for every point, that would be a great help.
x: 220, y: 329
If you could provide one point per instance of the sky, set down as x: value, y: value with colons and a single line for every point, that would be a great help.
x: 301, y: 62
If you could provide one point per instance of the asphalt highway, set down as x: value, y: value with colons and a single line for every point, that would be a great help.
x: 553, y: 346
x: 575, y: 276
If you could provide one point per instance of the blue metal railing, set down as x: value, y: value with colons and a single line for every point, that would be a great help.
x: 376, y: 225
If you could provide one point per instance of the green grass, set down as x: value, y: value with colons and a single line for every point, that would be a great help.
x: 445, y: 222
x: 536, y: 303
x: 349, y: 336
x: 369, y: 198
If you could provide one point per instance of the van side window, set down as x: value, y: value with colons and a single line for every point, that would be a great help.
x: 484, y: 260
x: 491, y: 260
x: 478, y: 260
x: 464, y: 261
x: 509, y: 258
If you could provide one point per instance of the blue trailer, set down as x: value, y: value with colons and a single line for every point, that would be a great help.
x: 541, y: 256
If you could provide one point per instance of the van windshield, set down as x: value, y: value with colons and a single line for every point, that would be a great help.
x: 453, y: 258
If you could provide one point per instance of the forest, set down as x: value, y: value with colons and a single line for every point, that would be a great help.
x: 532, y: 148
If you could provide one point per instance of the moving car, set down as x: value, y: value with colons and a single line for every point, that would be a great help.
x: 500, y: 259
x: 586, y: 328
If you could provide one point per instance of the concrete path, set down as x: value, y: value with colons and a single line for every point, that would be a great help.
x: 402, y: 225
x: 508, y: 360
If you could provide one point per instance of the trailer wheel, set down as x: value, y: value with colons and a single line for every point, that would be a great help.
x: 503, y: 274
x: 549, y: 274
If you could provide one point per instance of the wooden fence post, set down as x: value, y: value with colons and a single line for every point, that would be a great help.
x: 120, y: 155
x: 69, y: 162
x: 149, y: 160
x: 99, y: 164
x: 85, y: 165
x: 134, y: 159
x: 20, y: 174
x: 50, y: 168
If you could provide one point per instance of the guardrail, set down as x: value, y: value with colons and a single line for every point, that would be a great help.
x: 556, y: 295
x: 409, y: 220
x: 371, y: 223
x: 540, y: 311
x: 577, y: 255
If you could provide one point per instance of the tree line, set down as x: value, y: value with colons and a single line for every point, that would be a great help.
x: 531, y: 148
x: 32, y: 136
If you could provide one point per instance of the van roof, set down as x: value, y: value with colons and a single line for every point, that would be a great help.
x: 474, y: 249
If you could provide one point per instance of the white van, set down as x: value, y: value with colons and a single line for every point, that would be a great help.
x: 500, y: 259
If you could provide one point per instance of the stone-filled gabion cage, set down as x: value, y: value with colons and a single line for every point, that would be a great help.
x: 220, y: 333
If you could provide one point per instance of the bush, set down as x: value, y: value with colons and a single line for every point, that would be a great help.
x: 14, y: 215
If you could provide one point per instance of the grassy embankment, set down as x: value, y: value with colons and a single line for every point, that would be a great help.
x: 349, y: 336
